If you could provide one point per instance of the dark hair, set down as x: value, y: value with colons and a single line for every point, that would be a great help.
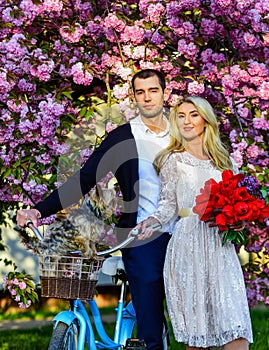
x: 147, y: 73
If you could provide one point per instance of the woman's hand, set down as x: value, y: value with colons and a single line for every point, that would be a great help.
x: 25, y: 215
x: 146, y: 228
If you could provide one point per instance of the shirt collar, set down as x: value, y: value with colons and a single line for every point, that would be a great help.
x: 147, y: 130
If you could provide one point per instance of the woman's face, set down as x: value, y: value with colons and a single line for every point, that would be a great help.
x: 189, y: 122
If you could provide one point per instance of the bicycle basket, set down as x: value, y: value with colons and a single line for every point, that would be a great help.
x: 68, y: 277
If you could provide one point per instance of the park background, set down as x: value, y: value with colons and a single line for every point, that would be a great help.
x: 65, y: 70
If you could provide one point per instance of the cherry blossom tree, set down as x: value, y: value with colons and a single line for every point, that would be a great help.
x: 67, y: 64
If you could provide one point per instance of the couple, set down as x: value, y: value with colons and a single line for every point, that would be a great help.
x: 203, y: 281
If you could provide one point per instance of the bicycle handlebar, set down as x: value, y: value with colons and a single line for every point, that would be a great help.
x: 133, y: 235
x: 34, y: 229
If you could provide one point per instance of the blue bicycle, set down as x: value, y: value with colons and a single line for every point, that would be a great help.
x: 74, y: 277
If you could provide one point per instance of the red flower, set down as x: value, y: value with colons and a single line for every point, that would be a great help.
x: 229, y: 182
x: 243, y: 211
x: 221, y: 222
x: 229, y: 204
x: 228, y: 211
x: 219, y: 200
x: 204, y: 206
x: 241, y: 194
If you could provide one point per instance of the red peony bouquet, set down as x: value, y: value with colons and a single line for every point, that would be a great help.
x: 229, y: 203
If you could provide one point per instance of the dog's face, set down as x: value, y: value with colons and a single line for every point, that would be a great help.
x: 104, y: 199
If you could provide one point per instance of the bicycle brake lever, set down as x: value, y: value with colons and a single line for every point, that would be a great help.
x: 34, y: 229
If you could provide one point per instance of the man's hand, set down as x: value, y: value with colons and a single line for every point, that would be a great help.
x: 147, y: 227
x: 25, y: 215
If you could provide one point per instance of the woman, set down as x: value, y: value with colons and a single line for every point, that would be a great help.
x: 204, y: 284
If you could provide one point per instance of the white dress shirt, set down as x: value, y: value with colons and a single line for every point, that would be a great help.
x: 149, y: 144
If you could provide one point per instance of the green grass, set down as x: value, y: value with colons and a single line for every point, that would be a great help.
x: 38, y: 339
x: 28, y: 339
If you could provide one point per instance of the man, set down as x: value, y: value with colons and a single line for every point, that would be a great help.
x: 128, y: 152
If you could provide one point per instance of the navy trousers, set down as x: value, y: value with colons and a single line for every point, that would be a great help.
x: 144, y: 268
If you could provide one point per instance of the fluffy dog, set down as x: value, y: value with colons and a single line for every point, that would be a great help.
x: 79, y: 229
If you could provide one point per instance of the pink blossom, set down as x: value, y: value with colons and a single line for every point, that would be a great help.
x: 264, y: 90
x: 72, y: 34
x: 224, y: 3
x: 155, y: 12
x: 52, y: 5
x: 133, y: 34
x: 123, y: 72
x: 143, y: 5
x: 147, y: 64
x: 250, y: 39
x: 121, y: 92
x: 112, y: 21
x: 81, y: 75
x: 108, y: 60
x: 195, y: 88
x: 253, y: 151
x: 43, y: 71
x: 5, y: 84
x: 188, y: 50
x: 261, y: 123
x: 26, y: 305
x: 22, y: 285
x: 238, y: 157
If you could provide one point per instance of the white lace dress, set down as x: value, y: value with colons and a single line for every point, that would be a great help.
x: 204, y: 284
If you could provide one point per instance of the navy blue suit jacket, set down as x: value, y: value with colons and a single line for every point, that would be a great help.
x: 118, y: 154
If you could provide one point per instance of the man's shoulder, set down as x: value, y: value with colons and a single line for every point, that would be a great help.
x: 123, y: 131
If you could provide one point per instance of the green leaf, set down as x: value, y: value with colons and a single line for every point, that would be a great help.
x: 68, y: 94
x: 83, y: 111
x: 7, y: 173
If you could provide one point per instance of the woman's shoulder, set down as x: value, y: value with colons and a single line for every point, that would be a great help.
x: 172, y: 158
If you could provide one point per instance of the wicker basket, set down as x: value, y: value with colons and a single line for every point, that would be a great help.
x: 68, y: 277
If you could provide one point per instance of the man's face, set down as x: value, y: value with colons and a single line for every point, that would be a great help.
x: 149, y: 96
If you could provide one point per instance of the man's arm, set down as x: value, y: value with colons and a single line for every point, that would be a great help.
x: 102, y: 160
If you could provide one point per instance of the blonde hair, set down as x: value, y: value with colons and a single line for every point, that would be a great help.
x: 212, y: 143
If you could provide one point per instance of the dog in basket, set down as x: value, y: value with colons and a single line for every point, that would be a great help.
x: 80, y: 228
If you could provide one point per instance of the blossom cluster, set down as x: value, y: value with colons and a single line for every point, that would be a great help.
x: 22, y: 288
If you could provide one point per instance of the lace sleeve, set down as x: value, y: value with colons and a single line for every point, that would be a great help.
x: 167, y: 211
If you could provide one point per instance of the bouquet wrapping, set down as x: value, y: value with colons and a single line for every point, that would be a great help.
x: 229, y: 204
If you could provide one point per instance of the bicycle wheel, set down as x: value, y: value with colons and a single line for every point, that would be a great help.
x: 65, y: 337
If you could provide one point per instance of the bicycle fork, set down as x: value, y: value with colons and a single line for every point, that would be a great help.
x: 125, y: 320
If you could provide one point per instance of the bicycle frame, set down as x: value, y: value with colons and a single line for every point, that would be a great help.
x: 125, y: 320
